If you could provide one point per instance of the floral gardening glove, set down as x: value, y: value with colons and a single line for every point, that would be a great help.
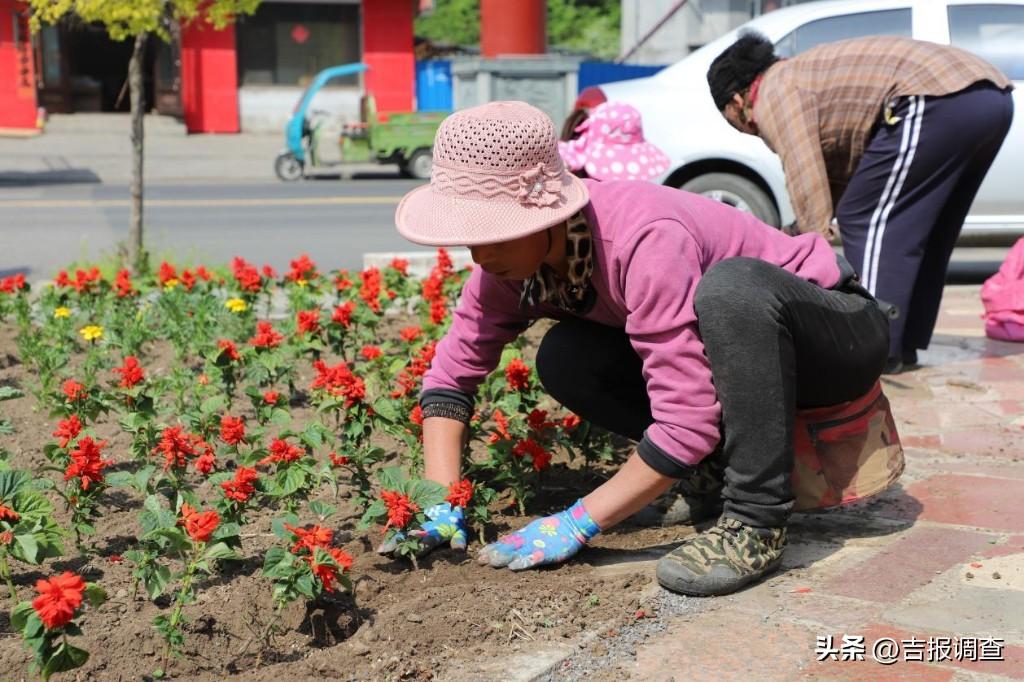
x: 446, y: 524
x: 550, y: 540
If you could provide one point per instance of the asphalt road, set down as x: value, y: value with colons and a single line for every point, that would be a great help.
x: 43, y: 227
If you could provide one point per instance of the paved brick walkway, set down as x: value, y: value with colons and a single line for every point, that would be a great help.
x: 936, y: 564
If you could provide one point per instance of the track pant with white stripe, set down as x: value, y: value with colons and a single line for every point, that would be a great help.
x: 903, y: 209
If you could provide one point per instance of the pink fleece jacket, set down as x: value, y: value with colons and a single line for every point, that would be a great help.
x: 651, y: 246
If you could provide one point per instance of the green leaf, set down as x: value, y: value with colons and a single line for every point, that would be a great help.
x: 386, y: 409
x: 376, y: 510
x: 219, y: 551
x: 278, y: 562
x: 10, y: 393
x: 27, y: 549
x: 280, y: 416
x: 227, y: 530
x: 66, y: 657
x: 11, y: 481
x: 321, y: 509
x: 291, y: 479
x: 120, y: 479
x: 278, y: 529
x: 391, y: 478
x: 306, y: 586
x: 20, y: 615
x: 427, y: 493
x: 95, y: 594
x: 213, y: 405
x: 155, y: 580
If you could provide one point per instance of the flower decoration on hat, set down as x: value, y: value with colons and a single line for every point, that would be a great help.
x: 540, y: 186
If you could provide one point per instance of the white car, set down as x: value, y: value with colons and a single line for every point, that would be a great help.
x: 710, y: 158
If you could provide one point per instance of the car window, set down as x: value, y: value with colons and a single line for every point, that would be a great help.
x: 893, y: 22
x: 994, y: 32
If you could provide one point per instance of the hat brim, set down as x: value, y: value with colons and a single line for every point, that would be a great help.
x: 431, y: 219
x: 638, y: 161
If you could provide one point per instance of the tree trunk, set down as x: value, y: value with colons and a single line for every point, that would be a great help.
x: 136, y: 253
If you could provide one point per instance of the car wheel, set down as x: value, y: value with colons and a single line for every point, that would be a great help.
x: 287, y: 167
x: 736, y: 191
x: 420, y: 164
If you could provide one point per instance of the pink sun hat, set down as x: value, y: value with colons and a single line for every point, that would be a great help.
x: 497, y: 176
x: 611, y: 146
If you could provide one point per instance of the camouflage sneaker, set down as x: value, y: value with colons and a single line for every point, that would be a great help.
x: 693, y: 499
x: 722, y: 559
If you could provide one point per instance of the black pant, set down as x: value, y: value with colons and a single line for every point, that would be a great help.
x: 902, y: 211
x: 775, y: 342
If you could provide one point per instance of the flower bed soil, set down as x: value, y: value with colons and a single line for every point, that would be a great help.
x: 398, y: 623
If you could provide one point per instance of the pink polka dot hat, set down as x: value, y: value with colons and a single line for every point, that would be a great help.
x: 611, y: 146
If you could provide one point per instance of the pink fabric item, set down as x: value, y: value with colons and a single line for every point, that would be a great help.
x: 651, y: 246
x: 497, y: 176
x: 1003, y: 297
x: 611, y: 146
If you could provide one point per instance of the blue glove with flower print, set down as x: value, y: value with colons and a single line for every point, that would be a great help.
x: 550, y: 540
x: 446, y: 524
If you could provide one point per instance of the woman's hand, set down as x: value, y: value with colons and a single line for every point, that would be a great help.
x: 447, y: 524
x: 550, y: 540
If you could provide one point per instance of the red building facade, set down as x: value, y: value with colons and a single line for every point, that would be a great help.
x: 199, y: 74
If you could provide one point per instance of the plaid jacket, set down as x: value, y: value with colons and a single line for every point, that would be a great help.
x: 818, y: 110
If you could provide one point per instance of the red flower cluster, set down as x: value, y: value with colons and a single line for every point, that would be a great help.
x: 339, y: 381
x: 266, y: 336
x: 343, y: 314
x: 410, y: 334
x: 84, y: 282
x: 307, y: 321
x: 8, y: 285
x: 433, y: 287
x: 87, y: 463
x: 58, y: 599
x: 177, y: 446
x: 166, y: 273
x: 342, y: 282
x: 199, y: 525
x: 401, y: 265
x: 271, y: 397
x: 68, y: 430
x: 269, y: 272
x: 416, y: 415
x: 337, y: 460
x: 460, y: 493
x: 517, y: 373
x: 317, y: 537
x: 539, y: 457
x: 302, y: 269
x: 8, y: 514
x: 123, y: 283
x: 408, y: 379
x: 502, y: 428
x: 247, y: 276
x: 400, y: 509
x: 570, y: 422
x: 369, y: 290
x: 281, y: 451
x: 229, y: 350
x: 232, y: 430
x: 207, y: 459
x: 131, y: 372
x: 241, y: 487
x: 371, y: 352
x: 538, y: 420
x: 73, y: 390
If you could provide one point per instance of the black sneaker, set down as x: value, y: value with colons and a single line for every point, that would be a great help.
x: 695, y: 498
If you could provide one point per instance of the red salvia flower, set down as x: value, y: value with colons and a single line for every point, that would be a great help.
x: 269, y: 272
x: 326, y: 573
x: 131, y: 372
x: 175, y: 445
x: 410, y: 334
x: 371, y: 352
x: 281, y: 451
x: 123, y: 283
x: 266, y: 336
x: 517, y: 373
x: 570, y: 422
x: 8, y: 514
x: 342, y: 282
x: 6, y: 538
x: 539, y: 457
x: 309, y: 539
x: 302, y: 268
x: 241, y: 487
x: 438, y: 311
x: 203, y: 274
x: 337, y: 460
x: 538, y: 420
x: 339, y: 381
x: 416, y: 415
x: 271, y: 397
x: 229, y: 350
x: 401, y: 265
x: 9, y: 285
x: 232, y: 430
x: 444, y: 262
x: 460, y: 493
x: 369, y: 290
x: 247, y: 276
x: 73, y: 390
x: 400, y: 509
x: 199, y: 525
x: 68, y: 430
x: 307, y: 321
x: 206, y: 459
x: 87, y: 464
x: 343, y: 314
x: 166, y: 273
x: 501, y: 423
x: 58, y: 599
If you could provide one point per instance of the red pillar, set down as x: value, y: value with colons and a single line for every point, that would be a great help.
x: 209, y: 78
x: 388, y: 51
x: 513, y: 27
x: 17, y: 70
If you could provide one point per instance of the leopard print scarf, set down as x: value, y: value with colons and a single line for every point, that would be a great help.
x: 574, y: 295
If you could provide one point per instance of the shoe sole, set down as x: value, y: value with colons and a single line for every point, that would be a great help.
x: 671, y: 579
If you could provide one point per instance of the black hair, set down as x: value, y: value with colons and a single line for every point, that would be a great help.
x: 736, y: 68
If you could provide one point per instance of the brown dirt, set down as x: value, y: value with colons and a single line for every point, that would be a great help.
x: 399, y: 623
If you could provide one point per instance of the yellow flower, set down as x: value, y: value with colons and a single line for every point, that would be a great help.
x: 236, y: 305
x: 170, y: 284
x: 301, y: 282
x: 62, y: 312
x: 91, y: 332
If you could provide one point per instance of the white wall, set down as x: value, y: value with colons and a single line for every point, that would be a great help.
x: 266, y: 109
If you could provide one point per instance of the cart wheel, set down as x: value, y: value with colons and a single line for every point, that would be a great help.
x: 420, y: 163
x: 287, y: 167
